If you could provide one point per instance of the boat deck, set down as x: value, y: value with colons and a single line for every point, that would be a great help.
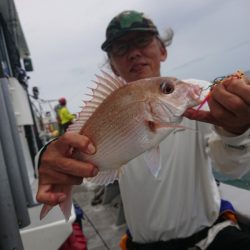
x: 103, y: 226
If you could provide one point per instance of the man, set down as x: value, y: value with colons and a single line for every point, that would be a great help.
x: 178, y: 209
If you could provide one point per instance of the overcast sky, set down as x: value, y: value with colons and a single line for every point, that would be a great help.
x: 211, y: 39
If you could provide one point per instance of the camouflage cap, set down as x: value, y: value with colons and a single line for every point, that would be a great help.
x: 124, y: 22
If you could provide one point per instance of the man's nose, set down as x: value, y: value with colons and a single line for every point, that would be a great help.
x: 133, y: 52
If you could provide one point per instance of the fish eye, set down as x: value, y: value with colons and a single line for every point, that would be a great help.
x: 166, y: 87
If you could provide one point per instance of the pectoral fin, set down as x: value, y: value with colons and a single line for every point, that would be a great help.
x: 154, y: 126
x: 152, y: 158
x: 105, y: 177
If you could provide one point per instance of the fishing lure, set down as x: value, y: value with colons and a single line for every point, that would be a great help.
x: 218, y: 80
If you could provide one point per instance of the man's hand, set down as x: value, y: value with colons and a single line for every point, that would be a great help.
x: 57, y: 167
x: 229, y: 104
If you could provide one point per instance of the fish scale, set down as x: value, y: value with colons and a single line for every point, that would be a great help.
x: 113, y: 142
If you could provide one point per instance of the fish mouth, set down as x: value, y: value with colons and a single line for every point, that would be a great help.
x: 195, y: 94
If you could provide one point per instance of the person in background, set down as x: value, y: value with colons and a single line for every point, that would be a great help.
x: 182, y: 207
x: 58, y: 120
x: 65, y: 117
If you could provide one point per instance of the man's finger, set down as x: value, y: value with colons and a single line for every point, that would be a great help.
x: 77, y: 141
x: 200, y: 115
x: 75, y: 167
x: 226, y: 103
x: 47, y: 196
x: 51, y: 177
x: 220, y: 96
x: 239, y: 88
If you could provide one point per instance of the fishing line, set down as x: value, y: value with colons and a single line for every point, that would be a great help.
x: 97, y: 232
x: 238, y: 75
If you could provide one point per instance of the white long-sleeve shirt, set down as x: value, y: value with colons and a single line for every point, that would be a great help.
x: 184, y: 198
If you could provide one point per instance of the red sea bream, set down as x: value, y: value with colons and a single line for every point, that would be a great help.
x: 124, y: 120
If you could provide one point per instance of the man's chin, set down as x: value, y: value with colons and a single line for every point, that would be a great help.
x: 137, y: 75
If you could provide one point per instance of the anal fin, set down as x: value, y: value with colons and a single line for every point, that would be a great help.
x: 105, y: 177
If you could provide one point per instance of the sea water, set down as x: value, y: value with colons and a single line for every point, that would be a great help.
x: 243, y: 182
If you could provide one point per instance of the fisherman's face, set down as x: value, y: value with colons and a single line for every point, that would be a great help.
x: 137, y: 55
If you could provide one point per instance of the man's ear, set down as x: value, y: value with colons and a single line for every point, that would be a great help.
x: 164, y: 53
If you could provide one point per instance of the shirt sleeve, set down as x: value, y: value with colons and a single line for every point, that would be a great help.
x: 40, y: 153
x: 230, y: 153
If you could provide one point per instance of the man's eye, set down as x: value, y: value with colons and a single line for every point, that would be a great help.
x: 142, y: 41
x: 119, y: 48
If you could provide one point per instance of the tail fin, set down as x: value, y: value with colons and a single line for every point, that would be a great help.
x: 45, y: 210
x: 65, y: 205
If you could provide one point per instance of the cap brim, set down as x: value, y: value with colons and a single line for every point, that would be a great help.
x: 105, y: 46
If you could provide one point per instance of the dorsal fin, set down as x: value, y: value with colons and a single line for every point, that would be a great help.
x: 118, y: 81
x: 105, y: 85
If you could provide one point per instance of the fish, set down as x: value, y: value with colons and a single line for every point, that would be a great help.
x: 124, y: 120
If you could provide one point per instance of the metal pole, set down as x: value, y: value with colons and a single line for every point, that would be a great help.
x: 11, y: 162
x: 17, y: 143
x: 9, y: 232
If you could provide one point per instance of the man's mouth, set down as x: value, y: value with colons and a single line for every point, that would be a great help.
x: 138, y: 67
